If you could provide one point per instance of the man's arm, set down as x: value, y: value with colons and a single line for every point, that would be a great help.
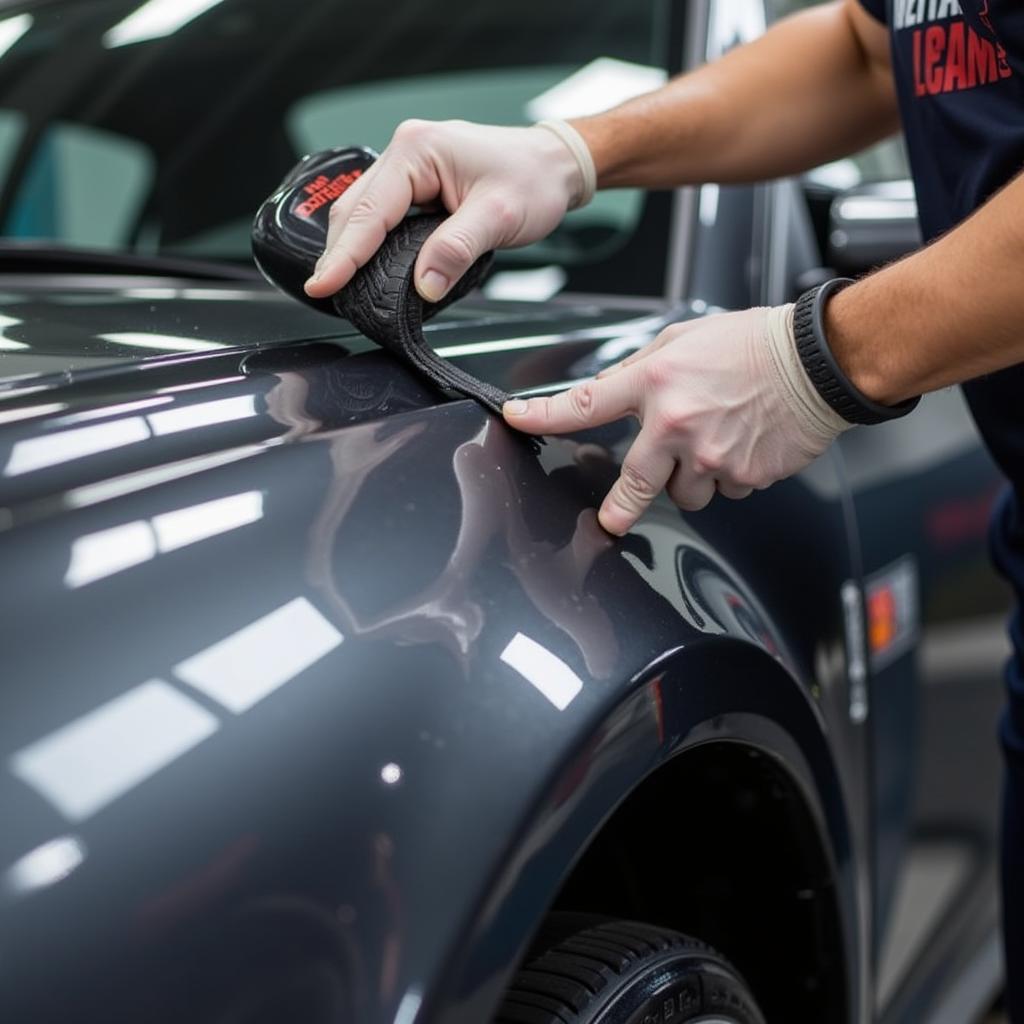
x: 724, y: 403
x: 815, y: 86
x: 818, y: 85
x: 945, y: 314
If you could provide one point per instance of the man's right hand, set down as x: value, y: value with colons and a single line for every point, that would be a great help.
x: 504, y: 187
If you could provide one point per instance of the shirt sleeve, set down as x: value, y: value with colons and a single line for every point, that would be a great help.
x: 877, y: 9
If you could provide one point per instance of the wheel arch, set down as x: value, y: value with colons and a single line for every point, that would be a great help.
x: 724, y: 728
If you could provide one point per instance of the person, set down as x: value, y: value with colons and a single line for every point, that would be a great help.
x: 736, y: 401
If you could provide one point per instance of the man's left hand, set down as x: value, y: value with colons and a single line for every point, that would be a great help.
x: 723, y: 402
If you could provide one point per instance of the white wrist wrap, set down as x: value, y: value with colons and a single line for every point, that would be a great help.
x: 817, y: 417
x: 574, y: 141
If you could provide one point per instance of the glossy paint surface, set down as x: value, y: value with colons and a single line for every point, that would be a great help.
x: 316, y: 684
x: 295, y: 648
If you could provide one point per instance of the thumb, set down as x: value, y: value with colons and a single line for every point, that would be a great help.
x: 476, y: 227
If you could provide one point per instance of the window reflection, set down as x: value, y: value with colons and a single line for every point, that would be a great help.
x: 156, y: 19
x: 140, y: 480
x: 109, y: 411
x: 106, y: 552
x: 97, y: 555
x: 85, y: 765
x: 188, y: 525
x: 202, y: 415
x: 542, y: 669
x: 242, y: 669
x: 604, y: 82
x: 35, y: 453
x: 162, y: 342
x: 31, y: 411
x: 45, y: 865
x: 52, y: 449
x: 733, y: 22
x: 12, y: 29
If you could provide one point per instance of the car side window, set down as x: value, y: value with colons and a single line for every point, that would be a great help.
x: 84, y: 186
x: 884, y: 161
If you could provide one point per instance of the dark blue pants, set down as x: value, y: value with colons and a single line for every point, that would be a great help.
x: 997, y: 403
x: 1008, y: 554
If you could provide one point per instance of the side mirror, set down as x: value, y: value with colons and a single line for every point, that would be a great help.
x: 872, y: 224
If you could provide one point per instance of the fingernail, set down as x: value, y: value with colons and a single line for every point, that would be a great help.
x: 612, y: 522
x: 515, y: 407
x: 432, y: 285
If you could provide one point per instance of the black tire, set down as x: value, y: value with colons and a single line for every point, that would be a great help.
x: 591, y: 971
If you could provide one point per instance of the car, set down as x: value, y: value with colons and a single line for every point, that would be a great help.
x: 325, y: 698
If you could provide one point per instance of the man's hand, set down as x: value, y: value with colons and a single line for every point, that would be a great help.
x: 504, y: 187
x: 723, y: 402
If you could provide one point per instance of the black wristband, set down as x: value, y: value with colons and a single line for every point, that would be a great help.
x: 821, y: 367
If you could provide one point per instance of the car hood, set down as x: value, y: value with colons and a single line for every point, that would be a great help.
x: 86, y: 323
x: 83, y: 324
x: 99, y: 378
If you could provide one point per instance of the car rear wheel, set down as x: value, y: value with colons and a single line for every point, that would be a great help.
x: 586, y: 970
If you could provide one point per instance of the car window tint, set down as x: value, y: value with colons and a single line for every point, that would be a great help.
x: 370, y: 113
x: 12, y: 130
x: 82, y: 186
x: 160, y: 126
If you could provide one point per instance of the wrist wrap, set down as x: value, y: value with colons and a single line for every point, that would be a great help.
x: 821, y: 367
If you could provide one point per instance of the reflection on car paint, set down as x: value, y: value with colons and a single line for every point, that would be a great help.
x: 253, y: 662
x: 112, y: 410
x: 84, y: 765
x: 203, y: 414
x: 31, y: 411
x: 491, y: 508
x: 95, y: 556
x: 162, y: 342
x: 47, y: 864
x: 542, y: 669
x: 698, y: 583
x: 141, y: 480
x: 48, y: 450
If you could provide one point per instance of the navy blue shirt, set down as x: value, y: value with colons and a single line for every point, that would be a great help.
x: 959, y: 68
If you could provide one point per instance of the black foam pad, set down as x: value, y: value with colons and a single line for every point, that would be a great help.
x: 289, y: 233
x: 382, y: 302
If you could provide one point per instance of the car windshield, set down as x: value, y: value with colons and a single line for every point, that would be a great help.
x: 158, y: 127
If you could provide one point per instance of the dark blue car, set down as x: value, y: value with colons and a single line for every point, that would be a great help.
x: 324, y: 699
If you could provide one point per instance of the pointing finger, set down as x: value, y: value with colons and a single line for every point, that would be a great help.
x: 589, y: 404
x: 645, y: 471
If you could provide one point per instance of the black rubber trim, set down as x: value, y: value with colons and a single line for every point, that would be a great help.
x: 821, y: 367
x: 382, y: 302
